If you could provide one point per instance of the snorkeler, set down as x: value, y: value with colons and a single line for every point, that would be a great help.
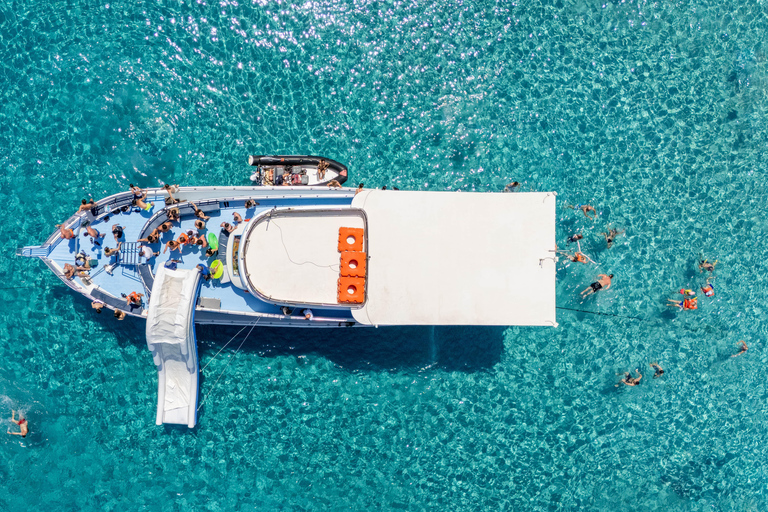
x: 629, y: 380
x: 706, y: 265
x: 658, y: 370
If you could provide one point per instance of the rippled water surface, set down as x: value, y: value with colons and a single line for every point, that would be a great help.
x: 653, y: 112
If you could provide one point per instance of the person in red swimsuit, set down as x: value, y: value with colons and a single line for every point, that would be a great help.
x: 22, y: 423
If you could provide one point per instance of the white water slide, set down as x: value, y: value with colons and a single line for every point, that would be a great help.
x: 171, y: 339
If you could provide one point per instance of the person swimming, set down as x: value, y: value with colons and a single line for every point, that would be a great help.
x: 610, y: 235
x: 629, y: 380
x: 744, y: 348
x: 658, y: 370
x: 575, y: 238
x: 22, y: 423
x: 603, y: 282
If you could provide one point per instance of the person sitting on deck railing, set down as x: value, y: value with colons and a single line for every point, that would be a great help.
x: 165, y: 227
x: 138, y: 198
x: 86, y: 205
x: 120, y: 314
x: 250, y: 204
x: 171, y: 189
x: 200, y: 214
x: 66, y: 233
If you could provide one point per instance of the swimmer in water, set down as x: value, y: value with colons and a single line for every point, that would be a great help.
x: 629, y: 380
x: 578, y: 256
x: 22, y: 423
x: 611, y: 234
x: 512, y: 187
x: 743, y: 348
x: 705, y: 265
x: 658, y: 370
x: 603, y: 283
x: 575, y: 238
x: 585, y: 208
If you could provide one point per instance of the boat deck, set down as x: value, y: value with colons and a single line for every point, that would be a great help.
x: 215, y: 296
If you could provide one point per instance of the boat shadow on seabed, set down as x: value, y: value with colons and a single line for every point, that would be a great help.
x: 453, y: 348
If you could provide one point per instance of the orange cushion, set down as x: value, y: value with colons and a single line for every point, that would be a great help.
x: 351, y: 290
x: 352, y: 264
x: 351, y: 239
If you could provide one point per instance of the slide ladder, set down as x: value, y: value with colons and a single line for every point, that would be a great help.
x: 171, y: 339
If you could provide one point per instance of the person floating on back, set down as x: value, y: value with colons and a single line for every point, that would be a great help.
x: 603, y: 283
x: 629, y: 380
x: 578, y: 256
x: 689, y: 302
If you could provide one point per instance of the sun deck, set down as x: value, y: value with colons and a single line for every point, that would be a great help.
x: 302, y: 244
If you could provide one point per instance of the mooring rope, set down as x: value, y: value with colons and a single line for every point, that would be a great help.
x: 599, y: 313
x: 231, y: 358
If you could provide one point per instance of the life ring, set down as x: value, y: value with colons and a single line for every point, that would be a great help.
x: 352, y: 264
x: 351, y: 239
x: 351, y: 290
x: 213, y: 242
x: 217, y: 269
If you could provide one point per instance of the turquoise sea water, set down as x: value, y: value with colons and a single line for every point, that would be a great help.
x: 654, y: 112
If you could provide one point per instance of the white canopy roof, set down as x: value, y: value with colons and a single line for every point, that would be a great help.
x: 457, y: 258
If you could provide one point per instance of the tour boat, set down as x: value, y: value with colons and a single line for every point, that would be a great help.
x: 306, y: 256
